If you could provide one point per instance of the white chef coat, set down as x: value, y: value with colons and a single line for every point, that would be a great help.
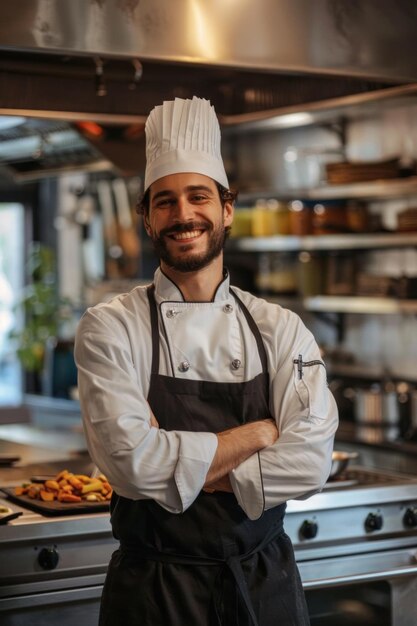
x: 200, y: 341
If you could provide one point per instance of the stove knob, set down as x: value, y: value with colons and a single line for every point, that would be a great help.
x: 373, y: 522
x: 410, y: 517
x: 308, y: 529
x: 48, y: 558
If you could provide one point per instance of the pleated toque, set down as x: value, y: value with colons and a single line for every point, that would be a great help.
x: 183, y: 136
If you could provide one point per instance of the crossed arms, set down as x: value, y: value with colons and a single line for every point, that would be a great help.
x: 234, y: 446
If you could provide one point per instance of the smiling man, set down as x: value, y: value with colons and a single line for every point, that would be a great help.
x: 197, y: 409
x: 186, y: 210
x: 188, y: 217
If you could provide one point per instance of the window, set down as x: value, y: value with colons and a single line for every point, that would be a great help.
x: 11, y: 284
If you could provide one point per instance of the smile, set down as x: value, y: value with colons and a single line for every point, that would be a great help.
x: 186, y: 235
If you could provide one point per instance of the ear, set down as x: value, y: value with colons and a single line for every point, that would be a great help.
x: 228, y: 213
x: 146, y: 225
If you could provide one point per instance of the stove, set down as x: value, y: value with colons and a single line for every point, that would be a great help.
x: 52, y: 569
x: 358, y: 537
x: 361, y: 505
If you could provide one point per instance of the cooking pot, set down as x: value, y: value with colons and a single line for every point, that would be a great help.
x: 381, y: 412
x: 380, y: 405
x: 373, y: 405
x: 340, y: 461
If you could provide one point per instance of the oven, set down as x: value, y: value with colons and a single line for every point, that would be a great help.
x: 52, y: 569
x: 356, y: 549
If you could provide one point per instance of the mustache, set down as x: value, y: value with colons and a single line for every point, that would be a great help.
x: 185, y: 227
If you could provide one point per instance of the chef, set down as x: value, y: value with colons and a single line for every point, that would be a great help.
x: 206, y: 407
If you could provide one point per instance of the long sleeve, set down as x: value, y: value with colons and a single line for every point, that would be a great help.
x: 140, y: 461
x: 298, y: 464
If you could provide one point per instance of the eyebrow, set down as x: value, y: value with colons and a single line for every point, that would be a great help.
x: 169, y: 192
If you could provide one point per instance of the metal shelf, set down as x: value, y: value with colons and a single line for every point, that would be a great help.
x: 359, y: 304
x: 371, y: 190
x: 368, y: 371
x: 348, y: 304
x: 286, y: 243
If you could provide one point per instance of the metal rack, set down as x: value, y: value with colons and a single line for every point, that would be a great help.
x: 324, y: 305
x: 371, y: 190
x: 290, y: 243
x: 355, y: 304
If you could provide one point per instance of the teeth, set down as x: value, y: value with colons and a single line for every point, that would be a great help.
x: 188, y: 235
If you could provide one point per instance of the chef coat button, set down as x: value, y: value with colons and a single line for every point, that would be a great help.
x: 236, y: 363
x: 171, y: 313
x: 228, y: 308
x: 184, y: 366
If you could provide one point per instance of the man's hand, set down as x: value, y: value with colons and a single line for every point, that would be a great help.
x: 223, y: 484
x: 154, y: 421
x: 235, y: 445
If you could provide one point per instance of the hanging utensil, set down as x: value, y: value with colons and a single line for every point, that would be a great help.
x: 84, y: 216
x: 126, y: 230
x: 113, y: 249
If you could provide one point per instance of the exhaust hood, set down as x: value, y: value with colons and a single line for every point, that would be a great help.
x: 86, y: 74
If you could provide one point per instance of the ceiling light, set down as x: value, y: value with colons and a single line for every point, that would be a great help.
x: 292, y: 119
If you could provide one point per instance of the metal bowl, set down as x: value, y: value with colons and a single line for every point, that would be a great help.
x: 340, y: 461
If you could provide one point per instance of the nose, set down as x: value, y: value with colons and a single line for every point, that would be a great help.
x: 182, y: 210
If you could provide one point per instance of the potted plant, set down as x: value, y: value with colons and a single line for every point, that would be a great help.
x: 43, y: 311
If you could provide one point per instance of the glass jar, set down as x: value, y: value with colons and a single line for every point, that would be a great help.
x: 300, y: 218
x: 311, y: 274
x: 329, y: 218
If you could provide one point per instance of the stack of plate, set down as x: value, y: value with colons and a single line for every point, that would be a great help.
x: 349, y: 172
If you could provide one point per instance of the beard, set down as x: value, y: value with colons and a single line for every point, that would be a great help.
x: 192, y: 262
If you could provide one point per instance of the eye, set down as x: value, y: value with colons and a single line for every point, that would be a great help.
x: 164, y: 203
x: 198, y: 197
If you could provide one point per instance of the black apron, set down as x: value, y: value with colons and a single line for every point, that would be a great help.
x: 210, y: 565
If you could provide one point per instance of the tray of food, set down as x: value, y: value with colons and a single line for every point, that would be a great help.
x: 63, y: 494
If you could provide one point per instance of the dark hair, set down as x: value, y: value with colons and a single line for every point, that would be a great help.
x: 226, y: 195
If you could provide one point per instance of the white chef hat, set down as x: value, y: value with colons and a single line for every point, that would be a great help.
x: 183, y: 136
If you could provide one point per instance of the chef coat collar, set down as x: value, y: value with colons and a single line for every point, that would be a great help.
x: 166, y: 289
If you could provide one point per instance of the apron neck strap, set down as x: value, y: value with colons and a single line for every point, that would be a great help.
x: 154, y: 328
x: 256, y: 332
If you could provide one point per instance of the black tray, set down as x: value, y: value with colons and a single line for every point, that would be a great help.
x: 55, y: 508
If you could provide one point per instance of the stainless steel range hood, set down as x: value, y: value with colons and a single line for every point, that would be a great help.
x: 72, y: 60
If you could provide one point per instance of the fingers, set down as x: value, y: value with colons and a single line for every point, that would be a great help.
x: 221, y: 484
